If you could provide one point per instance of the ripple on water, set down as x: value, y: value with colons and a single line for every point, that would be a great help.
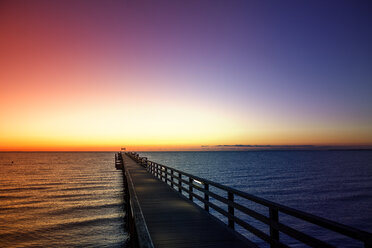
x: 61, y: 200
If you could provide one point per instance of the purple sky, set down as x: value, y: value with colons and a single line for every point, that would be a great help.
x: 206, y: 72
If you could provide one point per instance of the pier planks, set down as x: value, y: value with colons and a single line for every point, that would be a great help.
x: 172, y: 220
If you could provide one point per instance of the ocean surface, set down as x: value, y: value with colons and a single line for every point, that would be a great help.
x: 76, y: 199
x: 61, y: 200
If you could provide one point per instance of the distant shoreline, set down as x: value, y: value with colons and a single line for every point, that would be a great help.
x: 231, y: 150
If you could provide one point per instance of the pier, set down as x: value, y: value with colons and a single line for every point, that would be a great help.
x: 162, y: 213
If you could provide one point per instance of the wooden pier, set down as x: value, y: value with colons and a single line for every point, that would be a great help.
x: 160, y: 215
x: 171, y: 220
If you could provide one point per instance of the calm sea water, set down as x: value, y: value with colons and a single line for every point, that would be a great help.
x: 75, y: 199
x: 333, y: 184
x: 60, y: 200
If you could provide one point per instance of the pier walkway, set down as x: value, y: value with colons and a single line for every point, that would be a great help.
x: 161, y: 212
x: 172, y: 220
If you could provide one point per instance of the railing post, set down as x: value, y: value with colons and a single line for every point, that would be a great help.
x: 172, y: 178
x: 230, y: 197
x: 180, y: 182
x: 206, y: 197
x: 190, y: 188
x: 274, y: 216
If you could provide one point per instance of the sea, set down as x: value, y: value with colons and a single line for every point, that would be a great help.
x: 75, y: 199
x: 61, y: 200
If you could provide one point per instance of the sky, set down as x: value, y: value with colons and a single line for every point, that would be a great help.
x: 184, y: 75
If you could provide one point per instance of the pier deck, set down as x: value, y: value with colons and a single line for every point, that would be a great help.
x: 173, y: 221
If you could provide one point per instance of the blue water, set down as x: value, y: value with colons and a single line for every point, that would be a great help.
x: 336, y: 185
x: 61, y: 200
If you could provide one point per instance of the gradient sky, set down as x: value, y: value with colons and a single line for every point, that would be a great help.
x: 97, y: 75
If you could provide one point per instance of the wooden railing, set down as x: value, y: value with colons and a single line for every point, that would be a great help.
x: 185, y: 182
x: 118, y: 161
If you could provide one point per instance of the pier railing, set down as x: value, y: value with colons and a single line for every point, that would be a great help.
x: 190, y: 184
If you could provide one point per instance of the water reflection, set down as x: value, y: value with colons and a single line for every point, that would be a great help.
x: 60, y: 200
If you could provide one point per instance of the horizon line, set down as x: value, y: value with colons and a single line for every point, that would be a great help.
x: 219, y: 147
x: 201, y: 150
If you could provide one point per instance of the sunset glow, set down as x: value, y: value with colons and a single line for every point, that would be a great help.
x: 98, y: 75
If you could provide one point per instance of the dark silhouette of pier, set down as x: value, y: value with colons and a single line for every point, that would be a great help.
x: 161, y: 211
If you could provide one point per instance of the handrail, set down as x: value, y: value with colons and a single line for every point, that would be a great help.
x: 176, y: 179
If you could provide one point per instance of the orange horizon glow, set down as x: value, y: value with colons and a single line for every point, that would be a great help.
x: 149, y: 148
